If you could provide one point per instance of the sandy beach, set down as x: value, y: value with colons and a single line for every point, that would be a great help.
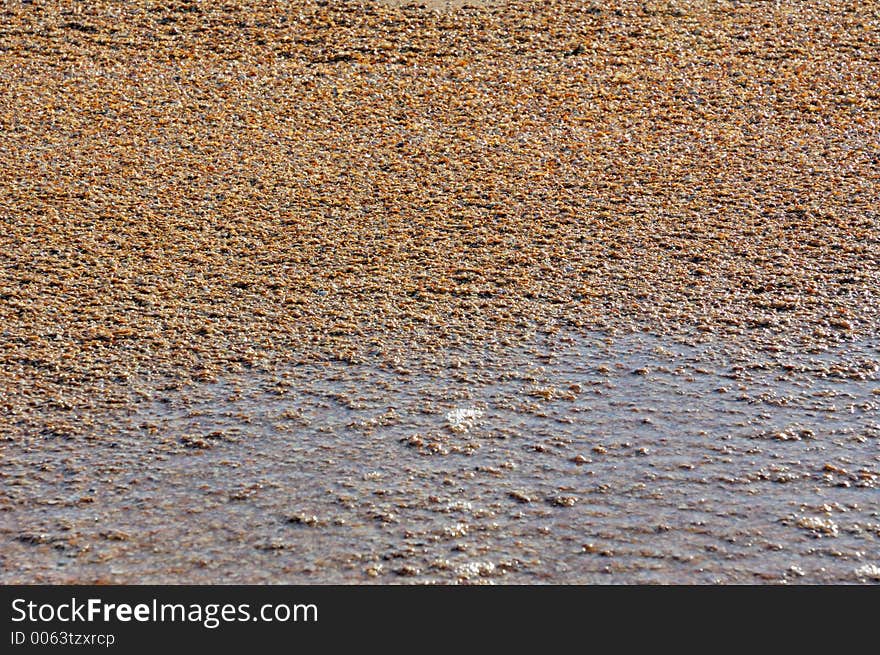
x: 439, y: 292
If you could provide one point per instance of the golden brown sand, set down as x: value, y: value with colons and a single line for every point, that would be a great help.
x: 197, y: 186
x: 442, y: 5
x: 199, y: 191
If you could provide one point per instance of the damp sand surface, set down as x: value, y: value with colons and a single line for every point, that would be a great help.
x: 319, y: 291
x: 577, y: 458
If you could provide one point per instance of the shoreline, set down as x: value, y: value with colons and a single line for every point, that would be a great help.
x: 199, y: 194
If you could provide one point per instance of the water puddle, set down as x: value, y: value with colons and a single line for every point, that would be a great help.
x: 579, y: 459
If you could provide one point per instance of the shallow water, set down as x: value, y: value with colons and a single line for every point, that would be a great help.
x: 582, y: 458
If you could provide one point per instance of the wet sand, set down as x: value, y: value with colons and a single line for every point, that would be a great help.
x: 359, y: 292
x: 575, y: 459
